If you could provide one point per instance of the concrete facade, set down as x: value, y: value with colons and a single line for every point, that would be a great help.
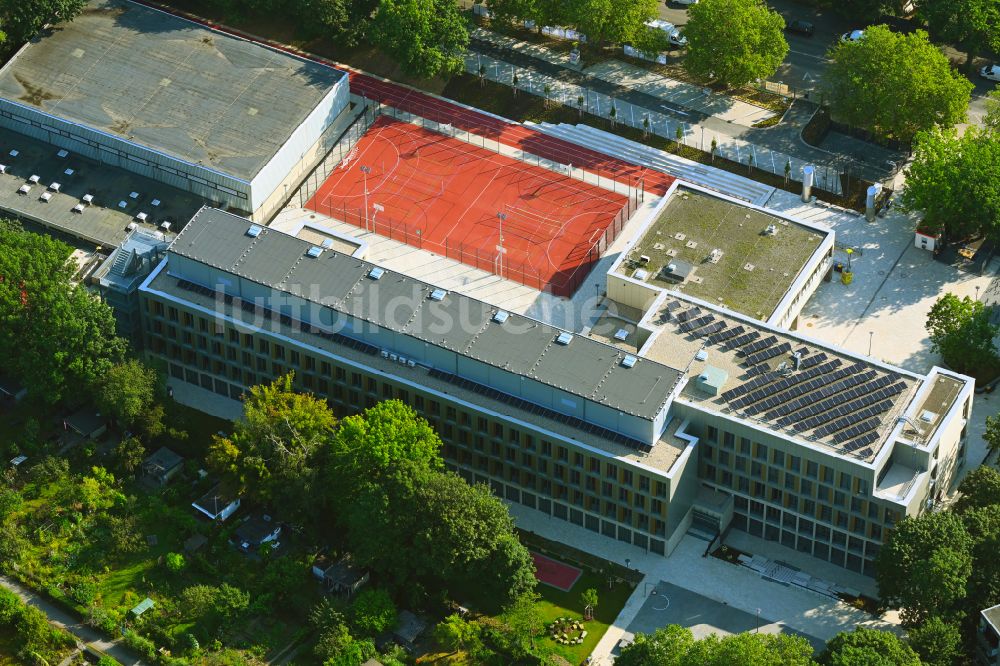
x: 224, y: 312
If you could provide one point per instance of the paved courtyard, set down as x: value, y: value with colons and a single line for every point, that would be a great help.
x: 667, y: 603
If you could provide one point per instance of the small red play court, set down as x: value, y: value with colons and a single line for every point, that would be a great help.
x: 558, y: 575
x: 456, y: 199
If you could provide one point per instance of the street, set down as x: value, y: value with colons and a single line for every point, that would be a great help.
x: 806, y: 59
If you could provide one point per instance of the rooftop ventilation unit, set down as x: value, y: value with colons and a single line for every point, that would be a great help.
x: 702, y: 355
x: 314, y: 251
x: 621, y: 334
x: 501, y: 316
x: 438, y: 295
x: 772, y: 230
x: 254, y: 230
x: 376, y: 273
x: 564, y: 338
x: 629, y: 361
x: 928, y: 416
x: 327, y: 243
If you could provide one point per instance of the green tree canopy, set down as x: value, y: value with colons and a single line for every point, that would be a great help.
x: 938, y: 643
x: 734, y: 41
x: 868, y: 647
x: 960, y: 330
x: 128, y: 391
x: 675, y: 646
x: 426, y: 37
x: 272, y: 449
x: 372, y: 612
x: 454, y: 633
x: 955, y: 182
x: 23, y: 19
x: 894, y: 85
x: 981, y: 487
x: 974, y: 24
x: 612, y: 20
x: 924, y: 566
x: 64, y: 337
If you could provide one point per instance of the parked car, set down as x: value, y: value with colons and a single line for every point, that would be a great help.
x: 682, y: 2
x: 990, y: 72
x: 802, y: 27
x: 852, y: 36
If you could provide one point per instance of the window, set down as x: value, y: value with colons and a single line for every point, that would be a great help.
x: 779, y: 458
x: 729, y: 440
x: 845, y: 481
x: 744, y: 446
x: 806, y: 487
x: 812, y: 469
x: 828, y: 475
x: 712, y: 434
x: 794, y: 462
x: 761, y: 453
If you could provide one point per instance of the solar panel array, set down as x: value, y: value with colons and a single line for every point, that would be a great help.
x: 796, y: 382
x: 851, y: 416
x: 709, y: 330
x: 757, y: 345
x: 692, y: 324
x: 741, y: 340
x: 860, y: 443
x: 722, y: 336
x: 770, y: 352
x: 855, y: 430
x: 688, y: 314
x: 810, y: 361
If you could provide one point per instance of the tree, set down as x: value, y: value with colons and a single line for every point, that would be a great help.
x: 271, y: 452
x: 616, y: 21
x: 23, y: 19
x: 426, y: 37
x: 894, y: 85
x: 664, y: 647
x: 938, y: 643
x: 734, y: 41
x: 64, y: 337
x: 981, y: 488
x: 225, y: 602
x: 454, y: 633
x: 373, y: 612
x: 524, y: 623
x: 129, y: 454
x: 175, y: 562
x: 975, y: 24
x: 991, y: 120
x: 868, y: 647
x: 955, y: 182
x: 960, y: 330
x: 128, y: 390
x: 924, y: 565
x: 588, y: 599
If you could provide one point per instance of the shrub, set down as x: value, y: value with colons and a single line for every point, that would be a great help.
x: 175, y: 562
x: 373, y: 612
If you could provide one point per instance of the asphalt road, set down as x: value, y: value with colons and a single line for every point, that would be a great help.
x: 803, y: 66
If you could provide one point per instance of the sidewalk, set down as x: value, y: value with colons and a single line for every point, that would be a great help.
x: 64, y: 620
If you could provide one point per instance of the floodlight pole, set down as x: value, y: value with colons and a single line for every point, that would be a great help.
x: 378, y: 208
x: 501, y: 216
x: 366, y: 170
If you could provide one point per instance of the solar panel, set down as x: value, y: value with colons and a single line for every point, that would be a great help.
x: 808, y: 406
x: 789, y: 382
x: 688, y: 314
x: 742, y: 340
x: 757, y: 345
x: 849, y: 414
x: 813, y: 360
x: 771, y: 352
x: 673, y: 305
x: 856, y: 430
x: 726, y: 334
x: 710, y: 329
x: 861, y: 442
x: 754, y: 383
x: 692, y: 324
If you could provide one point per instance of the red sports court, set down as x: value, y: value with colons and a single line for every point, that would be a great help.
x: 453, y: 198
x: 558, y: 575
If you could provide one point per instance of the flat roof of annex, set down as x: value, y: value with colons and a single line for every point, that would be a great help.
x: 169, y: 84
x: 581, y: 367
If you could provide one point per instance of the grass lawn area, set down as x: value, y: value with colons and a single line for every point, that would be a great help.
x: 555, y: 603
x: 708, y: 223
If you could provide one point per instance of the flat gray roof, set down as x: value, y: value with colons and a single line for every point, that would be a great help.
x: 585, y: 367
x: 169, y: 84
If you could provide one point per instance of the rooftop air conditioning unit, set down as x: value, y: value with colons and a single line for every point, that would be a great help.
x: 314, y: 251
x: 501, y: 316
x: 564, y: 338
x: 629, y: 361
x: 772, y: 230
x: 438, y: 295
x: 254, y: 230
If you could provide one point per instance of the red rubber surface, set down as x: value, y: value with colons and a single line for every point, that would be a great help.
x: 443, y: 195
x: 558, y: 575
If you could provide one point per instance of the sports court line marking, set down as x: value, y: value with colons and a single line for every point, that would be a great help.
x: 555, y: 573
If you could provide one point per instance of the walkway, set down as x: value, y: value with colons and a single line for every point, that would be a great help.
x: 65, y: 620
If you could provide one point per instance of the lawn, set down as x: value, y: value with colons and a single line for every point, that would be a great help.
x: 693, y: 225
x: 555, y: 603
